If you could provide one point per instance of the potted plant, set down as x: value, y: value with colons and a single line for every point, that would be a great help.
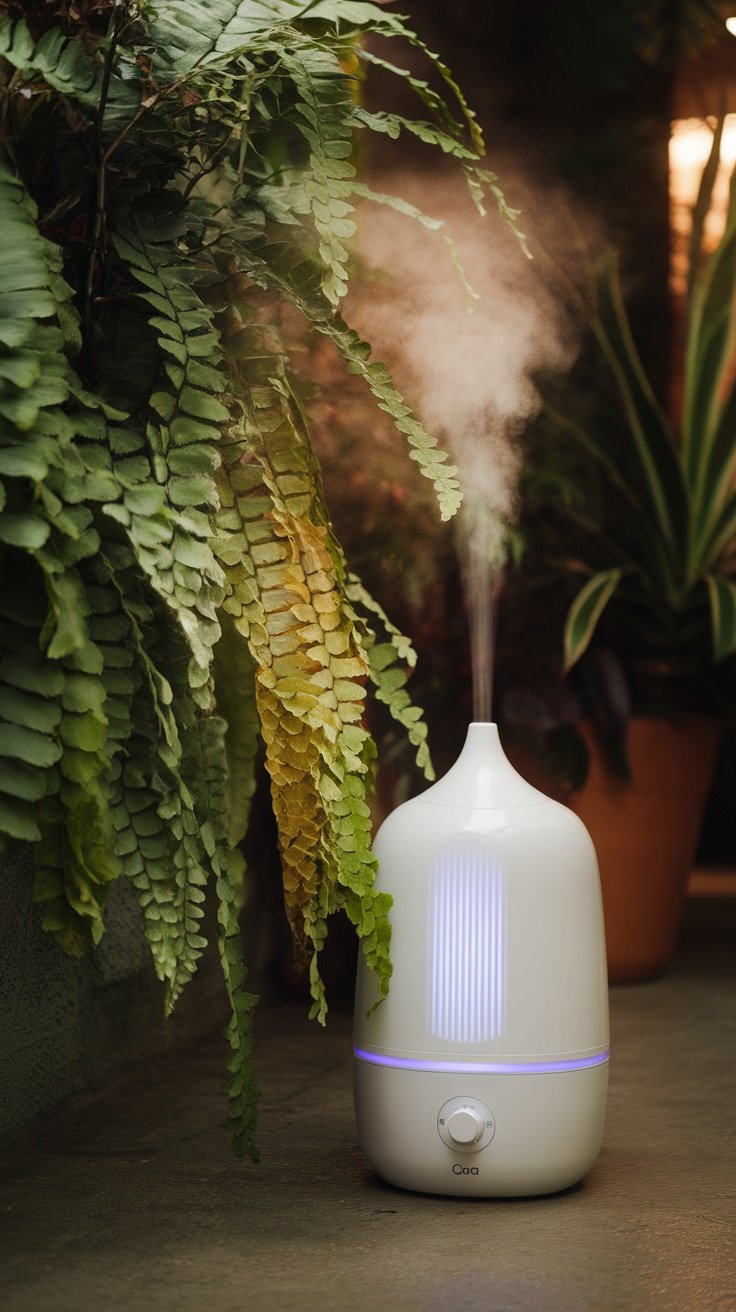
x: 172, y: 176
x: 646, y: 509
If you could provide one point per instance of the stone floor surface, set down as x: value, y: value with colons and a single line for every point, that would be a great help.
x: 129, y: 1198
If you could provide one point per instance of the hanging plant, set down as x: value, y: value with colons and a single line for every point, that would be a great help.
x: 170, y: 176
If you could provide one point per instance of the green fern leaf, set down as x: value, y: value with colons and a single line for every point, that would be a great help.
x: 69, y: 69
x: 64, y: 64
x: 387, y: 662
x: 324, y: 106
x: 240, y: 1084
x: 310, y: 668
x: 424, y: 449
x: 235, y: 700
x: 393, y: 125
x: 171, y: 547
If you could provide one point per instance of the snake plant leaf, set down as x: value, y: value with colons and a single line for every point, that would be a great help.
x: 648, y: 428
x: 701, y: 208
x: 708, y: 390
x: 722, y: 596
x: 649, y: 547
x: 720, y: 536
x: 585, y: 612
x: 713, y: 510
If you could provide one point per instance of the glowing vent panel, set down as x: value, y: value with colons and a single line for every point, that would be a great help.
x: 467, y: 943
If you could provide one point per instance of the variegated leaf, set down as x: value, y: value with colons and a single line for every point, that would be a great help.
x: 585, y: 612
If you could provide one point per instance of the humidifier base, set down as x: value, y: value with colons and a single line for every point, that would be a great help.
x: 496, y: 1135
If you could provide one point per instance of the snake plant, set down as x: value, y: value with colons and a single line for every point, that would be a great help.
x: 661, y: 560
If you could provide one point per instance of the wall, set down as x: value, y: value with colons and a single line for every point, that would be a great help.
x: 65, y: 1023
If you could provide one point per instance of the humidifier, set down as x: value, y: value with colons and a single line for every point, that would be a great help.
x: 484, y: 1071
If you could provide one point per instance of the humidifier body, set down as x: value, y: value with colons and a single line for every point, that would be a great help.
x: 485, y: 1069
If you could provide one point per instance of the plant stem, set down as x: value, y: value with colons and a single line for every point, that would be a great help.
x: 99, y: 217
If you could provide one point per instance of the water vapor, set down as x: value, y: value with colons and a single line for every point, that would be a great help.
x: 467, y: 367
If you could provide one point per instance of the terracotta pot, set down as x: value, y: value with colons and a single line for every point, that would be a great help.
x: 645, y: 834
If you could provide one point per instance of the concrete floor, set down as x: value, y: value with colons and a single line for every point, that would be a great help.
x: 130, y: 1199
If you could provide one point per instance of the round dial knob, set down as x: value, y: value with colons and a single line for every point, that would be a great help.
x: 465, y: 1125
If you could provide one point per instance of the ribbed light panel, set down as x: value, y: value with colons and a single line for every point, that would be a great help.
x: 467, y: 944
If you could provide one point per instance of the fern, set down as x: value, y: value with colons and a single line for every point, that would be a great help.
x: 173, y: 592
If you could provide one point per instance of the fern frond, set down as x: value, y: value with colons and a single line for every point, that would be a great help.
x: 240, y: 1084
x: 410, y: 211
x: 310, y: 666
x: 167, y: 520
x: 185, y: 33
x: 208, y: 743
x: 65, y: 65
x: 434, y: 463
x: 394, y: 125
x: 481, y: 181
x: 424, y: 448
x: 234, y: 674
x: 323, y: 116
x: 370, y: 609
x: 387, y: 662
x: 49, y: 472
x: 159, y: 835
x: 431, y: 99
x: 53, y: 767
x: 61, y: 62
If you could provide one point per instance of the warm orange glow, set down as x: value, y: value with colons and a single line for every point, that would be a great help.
x: 690, y: 143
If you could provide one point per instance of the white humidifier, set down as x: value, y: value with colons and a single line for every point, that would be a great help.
x: 485, y: 1069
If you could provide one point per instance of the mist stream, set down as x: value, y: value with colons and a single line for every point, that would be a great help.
x: 469, y: 371
x: 481, y: 576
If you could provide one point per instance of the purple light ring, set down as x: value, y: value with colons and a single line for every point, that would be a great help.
x: 484, y: 1068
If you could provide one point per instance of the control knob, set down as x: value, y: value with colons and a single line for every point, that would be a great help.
x: 465, y: 1125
